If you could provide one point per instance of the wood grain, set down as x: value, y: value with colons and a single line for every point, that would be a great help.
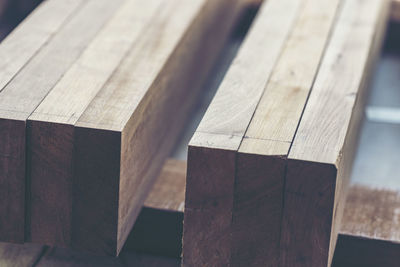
x: 32, y: 34
x: 52, y: 123
x: 321, y: 155
x: 25, y: 85
x: 261, y: 159
x: 138, y: 118
x: 212, y: 150
x: 369, y: 233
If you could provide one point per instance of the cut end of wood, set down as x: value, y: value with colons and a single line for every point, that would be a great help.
x: 96, y: 191
x: 12, y: 180
x: 208, y: 207
x: 309, y: 200
x: 50, y: 171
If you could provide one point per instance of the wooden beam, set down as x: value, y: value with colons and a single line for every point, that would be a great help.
x: 51, y: 125
x: 261, y: 158
x: 322, y: 152
x: 21, y: 90
x: 370, y: 231
x: 136, y: 114
x: 30, y: 86
x: 212, y: 150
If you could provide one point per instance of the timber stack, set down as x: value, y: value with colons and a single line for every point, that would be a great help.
x: 95, y: 94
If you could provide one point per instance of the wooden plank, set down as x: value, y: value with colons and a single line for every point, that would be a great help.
x: 26, y: 40
x: 15, y: 52
x: 261, y: 158
x: 139, y: 117
x: 369, y: 233
x: 370, y: 230
x: 211, y: 156
x: 321, y: 155
x: 25, y: 91
x: 51, y: 124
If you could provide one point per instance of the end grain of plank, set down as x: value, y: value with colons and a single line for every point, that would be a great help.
x: 211, y: 157
x: 171, y: 62
x: 327, y: 137
x: 261, y: 159
x: 52, y: 123
x: 28, y: 86
x: 32, y: 34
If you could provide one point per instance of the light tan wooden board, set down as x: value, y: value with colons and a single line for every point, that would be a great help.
x: 213, y: 146
x: 29, y: 86
x: 61, y: 109
x: 321, y: 156
x: 139, y: 117
x: 261, y: 158
x: 228, y: 115
x: 29, y: 37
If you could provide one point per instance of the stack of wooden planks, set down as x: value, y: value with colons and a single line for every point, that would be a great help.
x: 93, y: 95
x: 269, y: 164
x: 369, y: 232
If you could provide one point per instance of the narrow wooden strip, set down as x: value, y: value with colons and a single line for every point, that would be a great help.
x: 372, y: 213
x: 370, y: 229
x: 322, y: 152
x: 29, y: 37
x: 24, y: 93
x: 211, y: 157
x: 144, y: 107
x: 235, y: 101
x: 52, y: 123
x: 261, y: 159
x: 16, y: 51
